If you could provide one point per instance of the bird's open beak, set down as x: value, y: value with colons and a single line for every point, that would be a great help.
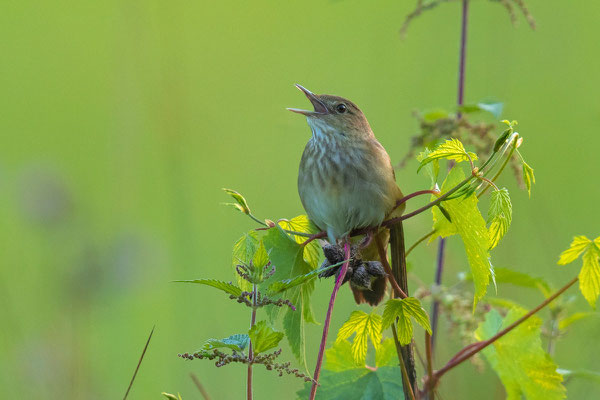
x: 320, y: 108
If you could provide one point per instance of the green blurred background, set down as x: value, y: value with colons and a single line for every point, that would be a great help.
x: 121, y: 121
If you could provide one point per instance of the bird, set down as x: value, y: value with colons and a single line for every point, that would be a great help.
x: 346, y: 181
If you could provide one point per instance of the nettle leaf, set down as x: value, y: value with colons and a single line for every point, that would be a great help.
x: 236, y: 342
x: 365, y: 326
x: 452, y: 149
x: 224, y: 286
x: 432, y: 169
x: 499, y: 216
x: 240, y: 202
x: 264, y: 337
x: 289, y: 259
x: 403, y: 309
x: 525, y: 369
x: 470, y: 225
x: 243, y: 252
x: 343, y: 379
x: 589, y: 276
x: 528, y: 177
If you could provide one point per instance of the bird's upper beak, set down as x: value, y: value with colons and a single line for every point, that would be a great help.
x: 320, y: 108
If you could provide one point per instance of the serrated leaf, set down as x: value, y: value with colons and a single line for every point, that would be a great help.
x: 264, y: 337
x: 243, y: 252
x: 589, y: 276
x: 452, y: 149
x: 403, y: 310
x: 499, y: 216
x: 240, y: 203
x: 224, y: 286
x: 236, y: 342
x: 470, y: 225
x: 578, y: 246
x: 364, y: 326
x: 525, y: 369
x: 288, y: 257
x: 528, y: 177
x: 261, y: 257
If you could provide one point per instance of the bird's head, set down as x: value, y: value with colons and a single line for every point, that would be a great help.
x: 334, y: 115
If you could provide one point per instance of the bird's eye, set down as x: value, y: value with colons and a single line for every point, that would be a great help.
x: 340, y: 108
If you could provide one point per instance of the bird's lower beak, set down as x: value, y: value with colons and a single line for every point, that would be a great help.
x: 320, y: 108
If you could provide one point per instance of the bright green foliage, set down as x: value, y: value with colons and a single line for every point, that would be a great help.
x: 243, y: 252
x: 452, y: 149
x: 240, y: 202
x: 403, y: 309
x: 470, y: 225
x: 290, y: 260
x: 386, y: 353
x: 224, y: 286
x: 499, y: 216
x: 343, y: 379
x: 301, y: 223
x: 528, y: 177
x: 236, y: 342
x: 264, y: 337
x: 526, y: 371
x: 589, y: 276
x: 281, y: 286
x: 432, y: 168
x: 172, y: 396
x: 365, y: 326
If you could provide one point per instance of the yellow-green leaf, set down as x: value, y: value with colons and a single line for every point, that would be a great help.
x: 528, y: 177
x: 578, y: 246
x: 470, y: 225
x: 403, y: 309
x: 243, y: 252
x: 499, y: 216
x: 525, y: 369
x: 365, y: 326
x: 263, y: 337
x: 451, y: 149
x: 240, y: 201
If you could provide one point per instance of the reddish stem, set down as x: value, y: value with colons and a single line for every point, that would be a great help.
x: 336, y: 287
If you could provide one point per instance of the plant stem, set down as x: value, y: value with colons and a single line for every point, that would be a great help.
x: 200, y: 387
x: 406, y: 380
x: 514, y: 147
x: 429, y: 355
x: 459, y: 100
x: 388, y: 270
x: 418, y: 242
x: 475, y: 348
x: 250, y: 352
x: 336, y: 288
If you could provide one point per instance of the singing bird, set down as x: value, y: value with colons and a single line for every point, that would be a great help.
x: 346, y: 180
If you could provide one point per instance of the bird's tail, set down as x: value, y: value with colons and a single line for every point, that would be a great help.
x: 397, y: 248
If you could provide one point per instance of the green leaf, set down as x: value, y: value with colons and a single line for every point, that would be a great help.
x: 403, y: 309
x: 288, y: 258
x: 365, y: 326
x: 578, y: 316
x: 240, y: 202
x: 499, y: 215
x: 528, y: 177
x: 339, y: 357
x: 243, y: 252
x: 282, y: 286
x: 236, y: 342
x: 261, y: 257
x: 494, y: 108
x: 386, y: 353
x: 432, y: 169
x: 264, y: 337
x: 589, y: 276
x: 301, y: 223
x: 470, y: 225
x: 502, y: 139
x: 591, y: 376
x: 452, y: 149
x: 224, y: 286
x: 525, y: 369
x: 505, y: 275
